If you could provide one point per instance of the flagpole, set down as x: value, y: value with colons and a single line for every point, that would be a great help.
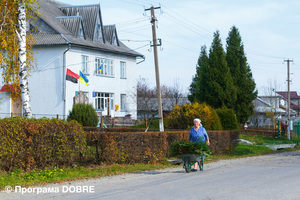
x: 79, y: 82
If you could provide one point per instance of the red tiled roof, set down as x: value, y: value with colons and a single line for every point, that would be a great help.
x: 12, y: 88
x: 293, y: 94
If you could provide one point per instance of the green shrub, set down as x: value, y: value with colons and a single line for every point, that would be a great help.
x: 186, y: 147
x: 39, y: 143
x: 182, y: 117
x: 228, y: 119
x: 146, y: 147
x: 85, y: 114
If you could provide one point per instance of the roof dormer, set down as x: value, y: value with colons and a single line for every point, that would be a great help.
x: 74, y: 24
x: 110, y: 33
x: 98, y: 33
x: 91, y: 18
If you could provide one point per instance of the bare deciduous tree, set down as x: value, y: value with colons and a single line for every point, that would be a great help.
x: 176, y: 93
x: 145, y: 98
x: 272, y: 86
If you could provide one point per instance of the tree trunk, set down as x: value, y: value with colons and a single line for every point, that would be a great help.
x: 23, y: 73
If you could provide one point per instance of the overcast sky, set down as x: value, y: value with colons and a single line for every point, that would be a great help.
x: 270, y: 32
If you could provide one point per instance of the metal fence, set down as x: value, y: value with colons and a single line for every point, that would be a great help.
x: 296, y: 129
x: 107, y: 121
x: 37, y: 116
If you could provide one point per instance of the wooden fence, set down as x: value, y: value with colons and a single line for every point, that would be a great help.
x: 261, y: 131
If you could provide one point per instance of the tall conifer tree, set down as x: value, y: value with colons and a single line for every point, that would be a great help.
x: 197, y: 91
x: 241, y: 74
x: 221, y: 91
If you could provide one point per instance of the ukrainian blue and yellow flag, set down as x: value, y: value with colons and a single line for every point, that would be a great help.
x: 83, y: 78
x: 100, y: 67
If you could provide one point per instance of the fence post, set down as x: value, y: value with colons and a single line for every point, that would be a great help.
x: 12, y: 115
x: 298, y: 129
x: 57, y: 116
x: 101, y: 122
x: 278, y: 131
x: 146, y: 122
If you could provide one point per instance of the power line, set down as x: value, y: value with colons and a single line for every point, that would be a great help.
x: 188, y: 27
x: 176, y: 30
x: 248, y: 50
x: 133, y: 21
x: 181, y: 21
x: 131, y: 2
x: 181, y: 47
x: 134, y: 33
x: 130, y: 40
x: 74, y: 64
x: 262, y: 54
x: 134, y: 28
x: 298, y: 68
x: 208, y: 32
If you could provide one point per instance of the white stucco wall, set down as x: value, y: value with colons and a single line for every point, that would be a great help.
x: 47, y: 83
x: 5, y: 103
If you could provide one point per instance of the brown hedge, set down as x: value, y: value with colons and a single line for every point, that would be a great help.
x: 39, y: 143
x: 30, y: 144
x: 145, y: 147
x: 121, y: 129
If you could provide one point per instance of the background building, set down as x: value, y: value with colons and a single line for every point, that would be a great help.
x: 267, y: 107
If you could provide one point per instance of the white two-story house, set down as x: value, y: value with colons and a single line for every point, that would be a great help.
x: 74, y: 37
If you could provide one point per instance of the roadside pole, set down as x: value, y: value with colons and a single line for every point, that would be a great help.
x: 158, y: 91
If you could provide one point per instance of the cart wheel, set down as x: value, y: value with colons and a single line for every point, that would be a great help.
x: 187, y: 166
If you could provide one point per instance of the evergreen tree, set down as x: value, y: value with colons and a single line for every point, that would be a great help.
x: 219, y: 88
x: 197, y: 91
x: 192, y: 89
x: 241, y: 74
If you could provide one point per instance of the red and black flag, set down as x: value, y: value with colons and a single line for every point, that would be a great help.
x: 71, y: 76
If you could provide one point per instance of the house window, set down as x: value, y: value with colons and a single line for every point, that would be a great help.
x: 104, y: 101
x: 85, y: 64
x: 98, y: 34
x: 123, y: 70
x: 114, y: 39
x: 106, y: 65
x: 80, y: 34
x: 122, y: 102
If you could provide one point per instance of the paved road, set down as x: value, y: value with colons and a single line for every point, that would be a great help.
x: 264, y: 177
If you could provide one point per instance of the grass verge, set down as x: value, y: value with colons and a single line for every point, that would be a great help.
x: 268, y: 140
x: 258, y: 149
x: 42, y: 177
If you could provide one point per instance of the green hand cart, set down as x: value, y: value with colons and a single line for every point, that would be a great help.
x: 190, y: 159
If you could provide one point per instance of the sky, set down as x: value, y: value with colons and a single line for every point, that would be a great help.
x: 269, y: 29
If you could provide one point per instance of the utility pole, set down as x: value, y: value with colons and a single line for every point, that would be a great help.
x: 289, y: 97
x: 153, y: 22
